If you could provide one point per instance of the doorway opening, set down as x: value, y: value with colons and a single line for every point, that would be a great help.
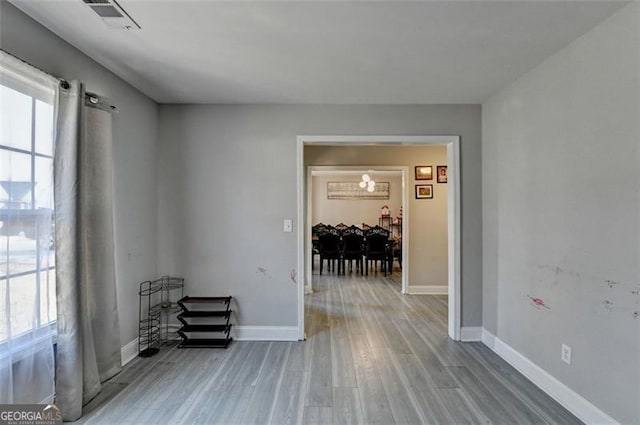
x: 453, y: 212
x: 329, y: 209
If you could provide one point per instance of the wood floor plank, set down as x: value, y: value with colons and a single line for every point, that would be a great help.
x: 316, y: 415
x: 347, y: 408
x: 200, y: 409
x: 232, y: 406
x: 434, y: 369
x: 375, y: 405
x: 252, y: 365
x: 518, y: 385
x: 262, y: 404
x: 289, y: 407
x: 401, y: 400
x: 462, y: 410
x: 231, y: 366
x: 319, y: 390
x: 482, y: 397
x: 299, y: 356
x: 421, y: 387
x: 519, y: 410
x: 343, y: 373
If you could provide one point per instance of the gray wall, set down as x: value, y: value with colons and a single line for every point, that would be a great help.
x: 561, y: 172
x: 428, y: 241
x: 227, y: 177
x: 134, y: 151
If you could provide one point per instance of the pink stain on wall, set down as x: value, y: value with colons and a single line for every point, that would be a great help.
x: 538, y: 303
x: 293, y: 276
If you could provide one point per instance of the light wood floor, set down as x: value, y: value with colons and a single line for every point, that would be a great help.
x: 372, y: 356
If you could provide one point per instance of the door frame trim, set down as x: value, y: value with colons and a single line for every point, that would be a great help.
x: 453, y: 211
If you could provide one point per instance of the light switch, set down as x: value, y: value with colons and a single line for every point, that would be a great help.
x: 288, y: 225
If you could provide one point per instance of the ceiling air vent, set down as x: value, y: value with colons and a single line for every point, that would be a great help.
x: 112, y: 14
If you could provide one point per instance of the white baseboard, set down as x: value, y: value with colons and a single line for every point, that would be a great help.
x: 572, y: 401
x: 428, y: 290
x: 471, y: 333
x: 129, y: 351
x: 265, y: 333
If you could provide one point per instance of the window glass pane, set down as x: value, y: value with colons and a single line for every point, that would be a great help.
x: 4, y: 331
x: 15, y: 180
x: 22, y: 252
x: 47, y: 297
x: 44, y: 128
x: 44, y: 183
x: 4, y: 257
x: 21, y: 305
x: 15, y: 124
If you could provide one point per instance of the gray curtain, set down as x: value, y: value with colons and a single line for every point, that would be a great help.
x: 88, y: 349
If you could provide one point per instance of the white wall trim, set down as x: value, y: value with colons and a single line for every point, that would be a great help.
x: 428, y: 289
x: 471, y: 333
x: 453, y: 211
x: 572, y: 401
x: 454, y: 230
x: 265, y: 333
x: 129, y: 351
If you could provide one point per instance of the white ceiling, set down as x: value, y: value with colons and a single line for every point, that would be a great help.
x: 332, y: 52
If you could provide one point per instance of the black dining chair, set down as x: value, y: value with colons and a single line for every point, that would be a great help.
x: 329, y: 248
x: 352, y: 248
x: 377, y: 249
x: 315, y: 231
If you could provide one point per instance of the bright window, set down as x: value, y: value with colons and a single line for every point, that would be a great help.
x: 27, y: 275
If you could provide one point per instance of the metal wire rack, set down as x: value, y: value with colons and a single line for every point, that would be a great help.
x: 156, y: 310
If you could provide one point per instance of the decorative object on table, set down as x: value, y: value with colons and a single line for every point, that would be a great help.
x: 424, y: 191
x: 385, y: 221
x: 156, y: 307
x: 205, y: 322
x: 352, y: 190
x: 424, y: 172
x: 384, y: 211
x: 441, y: 173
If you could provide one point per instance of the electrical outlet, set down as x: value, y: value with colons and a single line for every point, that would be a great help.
x: 287, y: 226
x: 566, y: 354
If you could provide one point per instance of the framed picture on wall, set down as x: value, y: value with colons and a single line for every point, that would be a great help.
x: 424, y: 172
x: 424, y: 191
x: 441, y: 173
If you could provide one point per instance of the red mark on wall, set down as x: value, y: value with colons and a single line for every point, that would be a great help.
x: 293, y: 276
x: 264, y: 272
x: 538, y: 303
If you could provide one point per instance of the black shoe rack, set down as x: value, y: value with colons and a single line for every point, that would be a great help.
x: 205, y: 322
